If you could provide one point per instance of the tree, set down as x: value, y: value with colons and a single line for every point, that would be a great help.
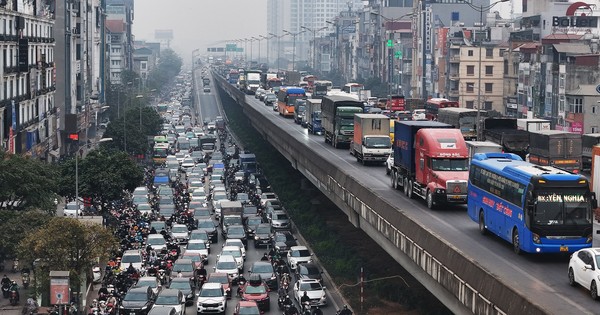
x: 104, y: 175
x: 65, y: 244
x: 26, y: 183
x: 12, y: 226
x: 137, y: 139
x: 169, y: 66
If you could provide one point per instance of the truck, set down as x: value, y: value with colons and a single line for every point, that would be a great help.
x: 337, y: 118
x: 475, y: 147
x: 231, y: 213
x: 464, y: 119
x: 205, y: 81
x: 588, y: 141
x: 299, y: 111
x: 533, y: 124
x: 371, y: 141
x: 252, y: 82
x: 504, y: 132
x: 313, y: 116
x: 208, y: 143
x: 431, y: 161
x: 560, y: 149
x: 247, y: 163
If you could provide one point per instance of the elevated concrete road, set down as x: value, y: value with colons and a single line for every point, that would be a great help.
x: 470, y: 273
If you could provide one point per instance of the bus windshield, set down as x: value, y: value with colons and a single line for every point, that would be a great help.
x: 449, y: 165
x: 562, y: 208
x: 467, y: 123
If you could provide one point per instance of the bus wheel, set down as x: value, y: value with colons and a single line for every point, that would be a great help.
x: 515, y: 242
x: 429, y: 199
x: 482, y: 229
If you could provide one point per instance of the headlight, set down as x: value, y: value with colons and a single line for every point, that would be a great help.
x: 144, y: 307
x: 256, y: 237
x: 536, y: 238
x: 440, y: 191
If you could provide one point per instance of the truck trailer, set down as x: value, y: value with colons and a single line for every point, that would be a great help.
x: 313, y: 116
x: 475, y: 147
x: 504, y: 132
x: 560, y: 149
x: 337, y: 118
x: 533, y: 124
x: 430, y: 161
x: 371, y: 138
x: 588, y: 141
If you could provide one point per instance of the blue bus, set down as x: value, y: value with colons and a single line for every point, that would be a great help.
x: 539, y: 209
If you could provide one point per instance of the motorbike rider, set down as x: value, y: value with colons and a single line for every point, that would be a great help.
x: 131, y: 269
x: 345, y: 311
x: 317, y: 311
x: 14, y: 287
x: 265, y: 257
x: 304, y: 300
x: 5, y: 281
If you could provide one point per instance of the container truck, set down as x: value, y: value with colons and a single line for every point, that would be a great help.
x: 313, y: 116
x: 533, y: 124
x: 464, y: 119
x: 588, y: 141
x: 504, y: 132
x: 475, y: 147
x: 337, y: 118
x: 560, y: 149
x: 371, y: 138
x: 430, y: 161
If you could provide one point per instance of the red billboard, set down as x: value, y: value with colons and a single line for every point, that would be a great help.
x: 59, y: 291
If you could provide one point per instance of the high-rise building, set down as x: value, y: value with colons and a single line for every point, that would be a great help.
x: 119, y: 21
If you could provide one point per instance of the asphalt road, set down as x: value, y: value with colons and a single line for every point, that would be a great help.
x: 541, y: 278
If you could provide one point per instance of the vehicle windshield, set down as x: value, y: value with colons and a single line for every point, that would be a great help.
x: 183, y: 267
x: 156, y: 241
x: 263, y: 230
x: 235, y: 230
x: 179, y: 229
x: 262, y: 268
x: 310, y: 270
x: 256, y: 289
x: 146, y: 283
x: 249, y: 310
x: 300, y: 253
x: 181, y: 285
x: 136, y: 296
x: 345, y: 122
x: 234, y: 253
x: 225, y: 265
x: 167, y: 300
x: 205, y: 224
x: 211, y: 293
x: 219, y: 279
x: 253, y: 222
x: 131, y: 259
x: 378, y: 142
x: 193, y: 257
x: 310, y: 286
x: 196, y: 246
x: 208, y: 146
x: 449, y: 164
x: 562, y: 208
x: 71, y: 207
x: 301, y: 109
x: 280, y: 216
x: 316, y: 115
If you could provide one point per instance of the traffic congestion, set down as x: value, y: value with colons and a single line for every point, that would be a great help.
x: 205, y: 233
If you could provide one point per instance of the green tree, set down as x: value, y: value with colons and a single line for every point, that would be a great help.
x: 65, y: 244
x: 12, y: 225
x: 137, y: 138
x: 169, y: 66
x: 103, y: 176
x: 26, y: 183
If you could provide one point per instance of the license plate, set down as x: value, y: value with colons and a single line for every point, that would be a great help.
x: 456, y: 197
x: 132, y: 313
x: 564, y: 248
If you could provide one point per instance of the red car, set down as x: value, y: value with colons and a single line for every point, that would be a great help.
x: 257, y: 290
x: 223, y: 279
x: 246, y: 308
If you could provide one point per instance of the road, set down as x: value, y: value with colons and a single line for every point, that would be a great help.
x: 542, y: 277
x: 208, y: 107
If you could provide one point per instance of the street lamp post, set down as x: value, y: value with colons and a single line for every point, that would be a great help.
x: 480, y: 9
x: 258, y: 40
x: 267, y: 40
x: 294, y: 47
x: 337, y: 31
x: 77, y: 175
x: 314, y: 32
x: 278, y: 47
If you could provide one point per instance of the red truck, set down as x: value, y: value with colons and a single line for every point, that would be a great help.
x: 395, y: 103
x: 431, y: 160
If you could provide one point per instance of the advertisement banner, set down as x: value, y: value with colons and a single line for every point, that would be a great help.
x: 59, y: 291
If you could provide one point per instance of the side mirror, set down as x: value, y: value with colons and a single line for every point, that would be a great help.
x: 589, y: 267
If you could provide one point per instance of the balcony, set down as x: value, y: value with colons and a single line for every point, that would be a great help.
x: 453, y: 75
x: 455, y: 58
x: 453, y: 93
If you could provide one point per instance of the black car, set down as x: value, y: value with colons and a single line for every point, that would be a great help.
x: 237, y: 231
x: 262, y: 235
x: 185, y: 286
x: 249, y: 211
x: 251, y: 223
x: 266, y: 272
x: 283, y: 240
x: 309, y: 271
x: 137, y: 301
x: 208, y: 225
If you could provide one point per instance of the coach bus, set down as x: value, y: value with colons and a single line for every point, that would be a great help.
x: 286, y: 100
x: 433, y: 105
x: 539, y: 209
x: 353, y: 88
x: 464, y: 119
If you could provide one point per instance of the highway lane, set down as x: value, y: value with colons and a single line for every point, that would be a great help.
x: 208, y: 108
x: 543, y: 277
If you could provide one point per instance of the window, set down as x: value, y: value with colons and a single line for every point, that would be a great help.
x: 501, y: 52
x: 487, y: 105
x: 470, y: 87
x: 489, y: 52
x: 489, y: 87
x: 505, y: 67
x: 469, y: 104
x: 595, y: 129
x: 470, y: 53
x: 470, y: 70
x: 576, y: 105
x: 489, y: 70
x: 594, y: 109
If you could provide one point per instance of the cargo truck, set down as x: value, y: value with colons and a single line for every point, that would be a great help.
x: 588, y: 141
x: 533, y: 124
x: 252, y: 81
x: 371, y: 138
x: 337, y: 118
x: 231, y: 213
x: 504, y: 132
x: 475, y: 147
x: 464, y: 119
x: 560, y: 149
x: 430, y: 161
x: 313, y: 116
x: 247, y: 162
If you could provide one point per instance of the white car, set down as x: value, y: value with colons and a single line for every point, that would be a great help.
x: 198, y: 247
x: 132, y: 257
x: 236, y: 242
x: 180, y: 233
x: 188, y: 163
x: 389, y: 163
x: 71, y: 209
x: 157, y: 241
x: 227, y: 264
x: 264, y: 197
x: 298, y: 255
x: 212, y: 299
x: 236, y: 252
x: 584, y: 270
x: 314, y: 290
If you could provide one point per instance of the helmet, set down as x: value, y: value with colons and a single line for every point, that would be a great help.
x: 345, y: 307
x: 14, y: 282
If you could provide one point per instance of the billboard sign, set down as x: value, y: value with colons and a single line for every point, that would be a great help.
x: 59, y: 291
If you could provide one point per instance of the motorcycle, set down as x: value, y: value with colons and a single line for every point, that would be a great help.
x: 15, y: 266
x: 6, y: 290
x: 96, y: 274
x: 162, y: 277
x: 14, y: 297
x: 25, y: 279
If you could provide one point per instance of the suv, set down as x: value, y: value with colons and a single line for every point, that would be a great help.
x: 133, y: 257
x: 180, y: 233
x: 173, y: 298
x: 298, y: 255
x: 262, y: 235
x: 212, y: 299
x: 137, y: 301
x: 280, y: 221
x: 283, y: 240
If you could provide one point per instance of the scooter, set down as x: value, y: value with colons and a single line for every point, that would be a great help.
x: 5, y: 291
x: 25, y: 279
x: 96, y: 274
x: 15, y: 266
x: 14, y: 297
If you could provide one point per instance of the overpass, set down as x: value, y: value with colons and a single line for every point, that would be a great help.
x: 469, y: 273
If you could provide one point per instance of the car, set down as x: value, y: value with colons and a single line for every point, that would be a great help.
x: 163, y: 310
x: 197, y: 259
x: 173, y: 298
x: 237, y: 231
x: 246, y: 308
x: 280, y: 221
x: 199, y: 247
x: 157, y: 242
x: 132, y: 257
x: 72, y: 209
x: 212, y: 298
x: 208, y: 225
x: 188, y: 163
x: 236, y: 252
x: 251, y: 223
x: 183, y: 268
x: 144, y: 208
x: 389, y: 163
x: 227, y: 264
x: 180, y: 233
x: 298, y: 255
x: 282, y: 241
x: 167, y: 210
x: 265, y: 197
x: 314, y: 290
x: 137, y: 301
x: 151, y: 282
x: 222, y: 279
x: 275, y: 107
x: 266, y: 272
x: 309, y: 271
x: 200, y: 235
x: 256, y: 290
x: 584, y: 270
x: 236, y: 242
x: 262, y: 235
x: 270, y: 98
x: 185, y: 286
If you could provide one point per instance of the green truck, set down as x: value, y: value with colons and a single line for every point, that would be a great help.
x: 337, y: 118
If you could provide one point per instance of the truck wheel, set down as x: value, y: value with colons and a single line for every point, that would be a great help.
x: 394, y: 181
x: 429, y: 199
x: 410, y: 189
x: 405, y: 185
x: 363, y: 161
x: 482, y: 229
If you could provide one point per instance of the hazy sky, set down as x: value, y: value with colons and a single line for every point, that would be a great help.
x: 200, y: 23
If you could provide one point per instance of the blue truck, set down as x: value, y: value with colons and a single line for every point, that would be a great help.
x: 247, y: 162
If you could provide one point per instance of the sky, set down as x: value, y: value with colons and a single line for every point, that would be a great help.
x: 198, y: 24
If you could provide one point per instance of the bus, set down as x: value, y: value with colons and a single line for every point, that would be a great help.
x: 160, y: 139
x: 326, y: 83
x: 162, y: 108
x: 395, y: 103
x: 464, y: 119
x: 539, y: 209
x: 159, y: 153
x: 353, y: 88
x: 233, y: 76
x: 286, y: 100
x: 433, y: 105
x: 273, y: 83
x: 310, y: 79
